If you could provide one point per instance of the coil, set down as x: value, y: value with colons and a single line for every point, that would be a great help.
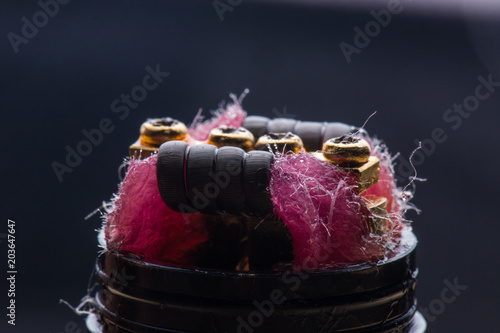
x: 211, y: 180
x: 313, y: 134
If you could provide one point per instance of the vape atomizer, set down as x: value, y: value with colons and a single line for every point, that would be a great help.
x: 265, y: 226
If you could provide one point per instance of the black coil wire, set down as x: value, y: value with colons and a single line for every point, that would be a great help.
x: 209, y: 180
x: 313, y: 134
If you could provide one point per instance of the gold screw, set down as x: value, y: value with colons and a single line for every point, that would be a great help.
x: 378, y: 220
x: 230, y: 136
x: 347, y: 151
x: 352, y: 154
x: 280, y: 142
x: 367, y: 174
x: 154, y: 132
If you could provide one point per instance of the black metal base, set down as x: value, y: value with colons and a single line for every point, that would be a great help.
x: 142, y: 297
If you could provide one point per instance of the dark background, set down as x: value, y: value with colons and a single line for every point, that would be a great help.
x: 65, y: 78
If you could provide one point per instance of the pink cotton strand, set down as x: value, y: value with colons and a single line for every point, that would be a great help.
x: 387, y: 187
x: 231, y: 115
x: 327, y: 220
x: 142, y: 224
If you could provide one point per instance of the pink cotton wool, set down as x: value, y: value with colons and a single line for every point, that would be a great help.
x: 327, y: 220
x: 142, y: 224
x: 231, y: 115
x: 386, y: 186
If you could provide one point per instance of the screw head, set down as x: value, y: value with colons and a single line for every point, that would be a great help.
x: 347, y: 151
x: 280, y: 142
x: 156, y: 131
x: 231, y: 136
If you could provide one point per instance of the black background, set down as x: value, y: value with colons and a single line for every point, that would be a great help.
x: 65, y: 78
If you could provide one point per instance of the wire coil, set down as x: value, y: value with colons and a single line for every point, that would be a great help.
x: 313, y: 134
x: 211, y: 180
